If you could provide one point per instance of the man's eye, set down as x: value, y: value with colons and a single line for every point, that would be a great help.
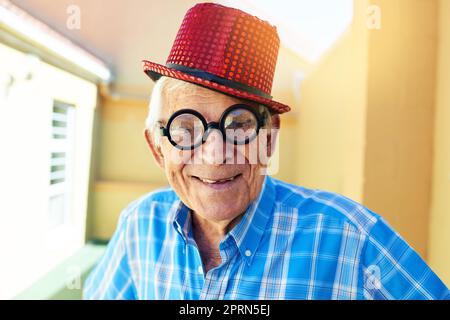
x: 233, y: 125
x: 183, y: 131
x: 246, y: 124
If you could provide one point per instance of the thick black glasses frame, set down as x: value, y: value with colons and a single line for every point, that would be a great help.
x: 260, y: 122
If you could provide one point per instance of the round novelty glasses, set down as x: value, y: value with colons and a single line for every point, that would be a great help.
x: 239, y: 124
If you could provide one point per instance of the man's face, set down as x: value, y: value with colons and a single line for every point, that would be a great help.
x: 201, y: 185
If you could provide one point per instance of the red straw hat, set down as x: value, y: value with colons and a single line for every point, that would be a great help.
x: 224, y: 49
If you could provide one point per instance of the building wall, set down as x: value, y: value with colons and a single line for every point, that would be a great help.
x: 123, y: 166
x: 331, y: 130
x: 400, y: 117
x: 439, y: 235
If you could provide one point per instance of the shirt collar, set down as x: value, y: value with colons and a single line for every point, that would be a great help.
x: 247, y: 233
x: 181, y: 218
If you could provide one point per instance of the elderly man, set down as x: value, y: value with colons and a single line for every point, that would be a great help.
x: 225, y: 229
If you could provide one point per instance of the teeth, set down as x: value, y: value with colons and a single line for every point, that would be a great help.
x: 216, y: 181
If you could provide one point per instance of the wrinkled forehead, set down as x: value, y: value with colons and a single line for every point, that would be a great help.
x: 211, y: 104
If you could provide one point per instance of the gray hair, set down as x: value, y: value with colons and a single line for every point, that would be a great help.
x: 163, y: 89
x: 160, y: 96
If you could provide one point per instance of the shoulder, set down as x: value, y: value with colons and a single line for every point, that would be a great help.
x: 330, y: 207
x: 157, y: 202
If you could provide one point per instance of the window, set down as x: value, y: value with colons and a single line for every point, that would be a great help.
x: 60, y: 164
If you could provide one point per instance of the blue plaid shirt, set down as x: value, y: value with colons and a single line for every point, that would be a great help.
x: 291, y: 243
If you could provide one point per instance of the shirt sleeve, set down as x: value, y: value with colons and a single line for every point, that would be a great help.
x: 393, y: 270
x: 111, y: 278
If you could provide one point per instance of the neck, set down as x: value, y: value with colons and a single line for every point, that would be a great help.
x: 208, y: 235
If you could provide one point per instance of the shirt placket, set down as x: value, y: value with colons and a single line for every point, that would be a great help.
x: 216, y: 279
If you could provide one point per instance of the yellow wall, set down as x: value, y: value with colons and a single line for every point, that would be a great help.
x: 331, y: 115
x: 123, y: 153
x: 366, y: 114
x: 400, y: 115
x: 439, y: 244
x: 288, y: 156
x: 123, y: 166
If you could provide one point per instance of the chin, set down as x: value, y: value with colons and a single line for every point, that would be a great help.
x: 221, y: 211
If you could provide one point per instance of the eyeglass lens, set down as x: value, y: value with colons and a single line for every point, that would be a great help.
x: 240, y: 126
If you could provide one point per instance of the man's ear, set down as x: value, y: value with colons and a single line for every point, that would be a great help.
x: 273, y: 135
x: 156, y: 150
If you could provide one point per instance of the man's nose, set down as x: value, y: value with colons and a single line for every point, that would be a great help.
x: 213, y: 150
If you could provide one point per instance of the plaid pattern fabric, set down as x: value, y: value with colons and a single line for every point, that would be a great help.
x: 292, y: 243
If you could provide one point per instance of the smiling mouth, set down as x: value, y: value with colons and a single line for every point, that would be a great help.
x: 217, y: 181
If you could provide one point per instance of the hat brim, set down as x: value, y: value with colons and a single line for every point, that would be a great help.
x: 155, y: 71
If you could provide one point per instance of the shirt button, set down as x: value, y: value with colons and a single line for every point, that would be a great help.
x: 248, y: 253
x: 200, y: 269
